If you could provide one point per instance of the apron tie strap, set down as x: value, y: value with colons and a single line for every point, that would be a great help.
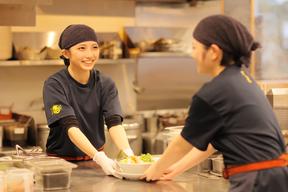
x: 282, y: 161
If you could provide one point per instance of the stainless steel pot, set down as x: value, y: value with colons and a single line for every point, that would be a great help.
x: 42, y: 135
x: 217, y: 165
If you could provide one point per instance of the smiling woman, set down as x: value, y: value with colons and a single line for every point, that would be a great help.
x: 79, y: 99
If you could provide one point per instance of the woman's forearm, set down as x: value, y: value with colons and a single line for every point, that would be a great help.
x: 81, y: 141
x: 175, y: 151
x: 119, y: 137
x: 194, y: 157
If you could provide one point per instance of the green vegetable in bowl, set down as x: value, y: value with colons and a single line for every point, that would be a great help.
x: 147, y: 158
x: 144, y: 158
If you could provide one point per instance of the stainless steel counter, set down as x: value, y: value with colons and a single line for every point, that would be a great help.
x: 93, y: 179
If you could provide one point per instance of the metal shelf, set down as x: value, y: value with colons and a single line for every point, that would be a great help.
x: 59, y: 62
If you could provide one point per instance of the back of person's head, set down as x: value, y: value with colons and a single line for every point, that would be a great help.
x: 229, y: 35
x: 74, y: 34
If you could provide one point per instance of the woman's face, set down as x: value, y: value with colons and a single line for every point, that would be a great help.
x: 206, y: 59
x: 84, y: 55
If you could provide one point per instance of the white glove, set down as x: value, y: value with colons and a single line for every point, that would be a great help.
x: 128, y: 152
x: 108, y: 165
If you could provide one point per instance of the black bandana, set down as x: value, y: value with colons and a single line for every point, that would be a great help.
x: 229, y: 34
x: 74, y: 34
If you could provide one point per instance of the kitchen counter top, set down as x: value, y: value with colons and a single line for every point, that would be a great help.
x: 86, y: 179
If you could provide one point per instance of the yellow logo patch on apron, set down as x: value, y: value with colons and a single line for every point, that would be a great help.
x: 56, y: 109
x: 246, y: 77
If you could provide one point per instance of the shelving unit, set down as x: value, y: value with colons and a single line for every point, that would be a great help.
x: 59, y: 62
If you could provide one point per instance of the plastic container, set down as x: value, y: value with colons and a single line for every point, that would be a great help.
x: 3, y: 183
x: 51, y: 173
x: 19, y: 180
x: 56, y: 180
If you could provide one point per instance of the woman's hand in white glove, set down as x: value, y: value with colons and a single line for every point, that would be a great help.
x: 108, y: 165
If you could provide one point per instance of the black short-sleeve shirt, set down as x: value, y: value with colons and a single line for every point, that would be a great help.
x: 232, y: 113
x: 90, y: 104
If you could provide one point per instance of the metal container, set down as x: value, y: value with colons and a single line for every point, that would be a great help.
x: 42, y: 135
x: 218, y: 165
x: 15, y: 133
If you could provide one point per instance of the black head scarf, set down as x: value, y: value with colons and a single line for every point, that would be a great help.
x: 229, y: 34
x: 74, y: 34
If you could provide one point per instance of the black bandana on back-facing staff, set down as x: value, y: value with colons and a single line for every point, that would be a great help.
x: 229, y: 34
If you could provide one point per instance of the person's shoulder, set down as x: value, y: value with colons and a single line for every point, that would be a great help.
x: 104, y: 79
x: 221, y: 86
x: 57, y: 77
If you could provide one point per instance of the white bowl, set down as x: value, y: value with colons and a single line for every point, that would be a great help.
x: 136, y: 168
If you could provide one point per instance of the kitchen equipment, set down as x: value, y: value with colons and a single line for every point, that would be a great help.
x: 53, y: 53
x: 29, y: 53
x: 218, y: 165
x: 34, y: 151
x: 34, y: 45
x: 19, y: 180
x: 170, y: 133
x: 42, y: 135
x: 51, y: 173
x: 15, y: 133
x: 5, y: 113
x: 6, y: 42
x: 278, y: 98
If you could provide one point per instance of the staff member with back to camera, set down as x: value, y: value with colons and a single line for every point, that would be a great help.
x: 230, y: 114
x: 78, y: 100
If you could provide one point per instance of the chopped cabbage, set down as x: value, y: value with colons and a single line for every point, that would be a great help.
x: 144, y: 158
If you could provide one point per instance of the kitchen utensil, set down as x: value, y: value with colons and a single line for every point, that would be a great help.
x: 29, y: 53
x: 52, y: 53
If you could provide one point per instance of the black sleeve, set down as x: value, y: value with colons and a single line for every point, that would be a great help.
x: 113, y: 121
x: 202, y: 124
x: 55, y: 100
x: 110, y: 99
x: 66, y: 123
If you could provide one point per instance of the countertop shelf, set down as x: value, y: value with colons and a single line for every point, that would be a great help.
x: 59, y: 62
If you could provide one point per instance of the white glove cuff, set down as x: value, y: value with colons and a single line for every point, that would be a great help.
x: 99, y: 155
x: 128, y: 152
